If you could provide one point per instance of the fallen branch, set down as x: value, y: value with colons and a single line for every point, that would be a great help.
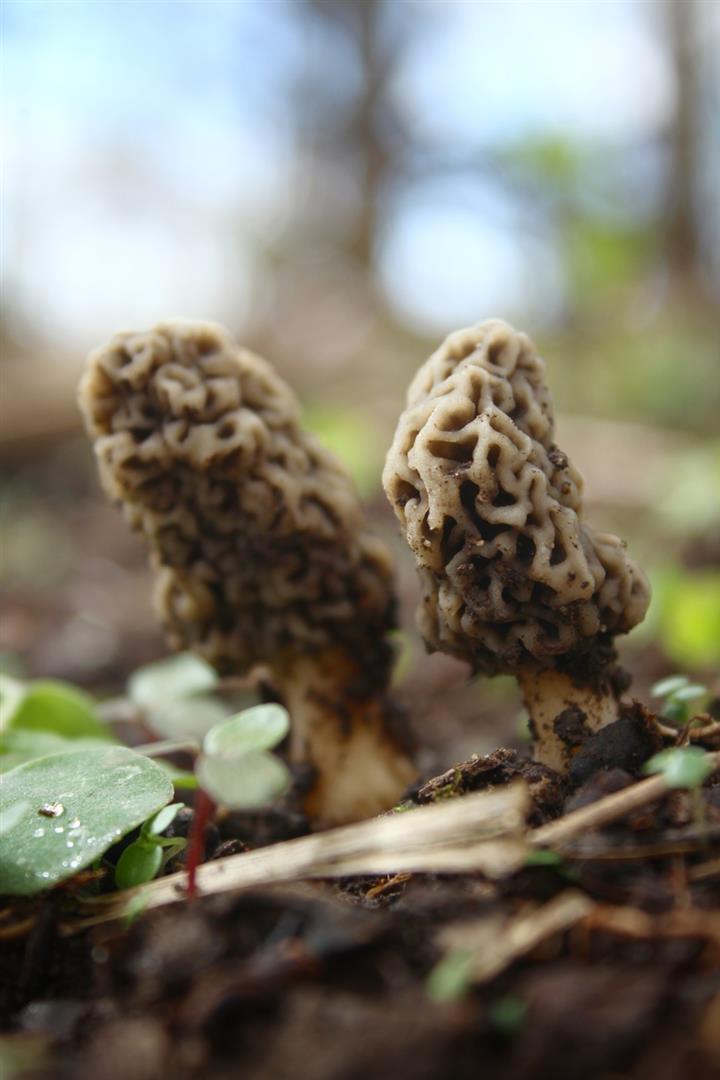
x: 481, y: 832
x: 495, y: 942
x: 604, y: 811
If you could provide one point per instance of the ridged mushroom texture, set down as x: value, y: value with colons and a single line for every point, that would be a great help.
x: 513, y: 580
x: 257, y: 538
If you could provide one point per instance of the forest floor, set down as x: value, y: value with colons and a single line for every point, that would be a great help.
x: 405, y: 976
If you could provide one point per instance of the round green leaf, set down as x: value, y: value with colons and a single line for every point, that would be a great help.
x: 75, y: 806
x: 162, y: 819
x: 12, y: 691
x: 181, y: 676
x: 138, y: 863
x: 259, y: 728
x: 682, y: 766
x: 243, y: 781
x: 689, y: 693
x: 18, y: 746
x: 50, y: 705
x: 669, y: 685
x: 193, y: 716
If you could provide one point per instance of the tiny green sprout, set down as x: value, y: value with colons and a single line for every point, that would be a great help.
x: 685, y: 767
x: 142, y: 860
x: 544, y: 857
x: 63, y: 811
x: 677, y: 693
x: 508, y: 1014
x: 681, y: 766
x: 235, y: 767
x: 522, y: 727
x: 451, y: 977
x: 134, y: 908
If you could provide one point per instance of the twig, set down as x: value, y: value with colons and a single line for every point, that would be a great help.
x: 602, y: 812
x: 482, y: 832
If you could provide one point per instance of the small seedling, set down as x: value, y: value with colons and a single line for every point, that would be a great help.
x: 235, y: 768
x: 46, y: 716
x: 677, y: 694
x: 176, y: 696
x: 451, y: 977
x: 97, y: 797
x: 142, y: 860
x: 508, y: 1014
x: 685, y: 767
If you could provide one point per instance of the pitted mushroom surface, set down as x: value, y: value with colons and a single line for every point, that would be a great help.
x: 512, y: 577
x: 261, y: 552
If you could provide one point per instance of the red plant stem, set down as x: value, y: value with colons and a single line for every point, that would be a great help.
x: 204, y: 809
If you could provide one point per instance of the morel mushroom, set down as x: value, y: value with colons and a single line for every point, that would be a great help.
x: 261, y: 553
x: 513, y: 580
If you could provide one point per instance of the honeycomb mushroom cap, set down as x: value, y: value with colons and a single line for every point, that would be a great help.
x: 255, y: 529
x: 492, y: 510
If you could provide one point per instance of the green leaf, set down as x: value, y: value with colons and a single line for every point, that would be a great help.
x: 259, y: 728
x: 18, y: 746
x: 451, y: 977
x: 181, y: 676
x: 507, y: 1015
x: 668, y: 685
x: 690, y: 618
x: 544, y: 857
x: 57, y: 707
x: 75, y: 806
x: 674, y: 711
x: 181, y: 778
x: 160, y: 821
x: 138, y: 863
x: 681, y: 766
x: 243, y: 781
x: 12, y: 691
x: 193, y: 716
x: 689, y: 693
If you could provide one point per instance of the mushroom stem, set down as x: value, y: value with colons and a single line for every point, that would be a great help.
x: 547, y: 694
x: 342, y: 725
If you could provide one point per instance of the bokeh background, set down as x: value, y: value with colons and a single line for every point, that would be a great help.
x: 342, y: 182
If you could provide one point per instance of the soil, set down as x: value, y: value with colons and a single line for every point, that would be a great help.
x: 329, y: 981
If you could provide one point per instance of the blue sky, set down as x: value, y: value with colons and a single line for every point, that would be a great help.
x: 149, y: 148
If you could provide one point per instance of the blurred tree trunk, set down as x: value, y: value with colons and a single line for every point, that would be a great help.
x: 683, y: 240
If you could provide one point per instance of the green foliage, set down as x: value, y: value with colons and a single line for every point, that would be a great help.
x: 61, y: 812
x: 259, y: 728
x: 181, y: 676
x: 682, y: 766
x: 45, y: 717
x: 144, y: 858
x: 235, y: 767
x: 49, y: 705
x: 23, y: 1055
x: 345, y: 432
x: 544, y: 857
x: 684, y: 616
x: 174, y: 694
x: 451, y: 977
x: 508, y: 1014
x: 678, y: 694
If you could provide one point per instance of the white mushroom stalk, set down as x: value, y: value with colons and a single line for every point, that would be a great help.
x: 513, y: 580
x: 261, y: 553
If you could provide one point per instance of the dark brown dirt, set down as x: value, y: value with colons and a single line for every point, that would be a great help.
x: 329, y: 981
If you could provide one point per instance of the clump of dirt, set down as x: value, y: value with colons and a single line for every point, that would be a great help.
x: 332, y: 978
